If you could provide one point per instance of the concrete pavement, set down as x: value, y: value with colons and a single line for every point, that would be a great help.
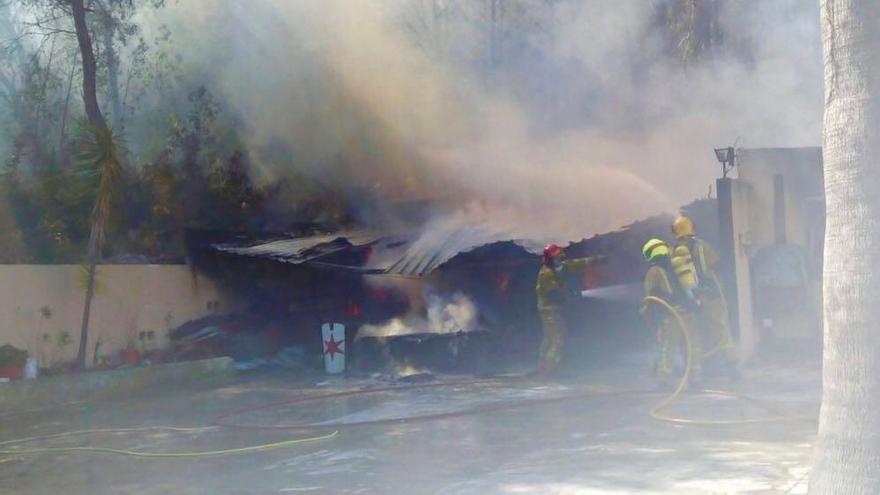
x: 603, y: 445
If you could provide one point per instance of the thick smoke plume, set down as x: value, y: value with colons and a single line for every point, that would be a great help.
x: 565, y: 124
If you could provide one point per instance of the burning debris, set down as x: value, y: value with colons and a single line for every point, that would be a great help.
x: 441, y: 305
x: 455, y: 314
x: 444, y: 335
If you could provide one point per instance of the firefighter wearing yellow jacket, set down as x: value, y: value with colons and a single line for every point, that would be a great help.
x: 704, y: 281
x: 552, y: 296
x: 661, y: 281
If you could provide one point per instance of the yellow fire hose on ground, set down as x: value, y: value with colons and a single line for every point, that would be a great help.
x: 726, y: 308
x: 154, y: 455
x: 685, y: 378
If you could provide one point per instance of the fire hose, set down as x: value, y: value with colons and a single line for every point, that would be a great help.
x: 225, y: 419
x: 655, y: 411
x: 725, y: 307
x: 149, y: 455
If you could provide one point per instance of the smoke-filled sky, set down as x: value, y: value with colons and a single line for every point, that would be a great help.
x: 575, y: 123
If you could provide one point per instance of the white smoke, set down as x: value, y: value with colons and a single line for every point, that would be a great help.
x: 588, y: 130
x: 457, y: 314
x: 444, y: 315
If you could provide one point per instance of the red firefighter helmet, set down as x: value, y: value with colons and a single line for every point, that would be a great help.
x: 551, y: 251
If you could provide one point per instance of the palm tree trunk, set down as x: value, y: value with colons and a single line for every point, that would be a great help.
x: 96, y: 119
x: 87, y: 311
x: 847, y: 457
x: 90, y: 66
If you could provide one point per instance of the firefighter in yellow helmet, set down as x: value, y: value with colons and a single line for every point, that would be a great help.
x: 661, y: 281
x: 707, y: 288
x: 552, y: 296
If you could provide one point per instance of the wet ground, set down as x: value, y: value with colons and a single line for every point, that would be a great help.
x: 599, y: 444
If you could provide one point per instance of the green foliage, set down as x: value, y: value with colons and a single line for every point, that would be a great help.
x: 83, y: 279
x: 69, y: 195
x: 63, y: 339
x: 100, y: 158
x: 200, y: 178
x: 692, y: 28
x: 45, y: 216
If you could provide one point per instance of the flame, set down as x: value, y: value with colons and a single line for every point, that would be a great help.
x: 354, y: 309
x: 404, y: 370
x: 379, y: 295
x: 503, y: 283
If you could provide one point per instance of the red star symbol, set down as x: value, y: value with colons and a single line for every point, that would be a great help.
x: 333, y: 347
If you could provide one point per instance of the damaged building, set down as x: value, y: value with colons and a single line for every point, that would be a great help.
x: 465, y: 303
x: 463, y: 299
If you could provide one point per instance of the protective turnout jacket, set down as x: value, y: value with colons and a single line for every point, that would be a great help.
x: 551, y: 290
x: 704, y: 256
x: 660, y: 281
x: 705, y: 260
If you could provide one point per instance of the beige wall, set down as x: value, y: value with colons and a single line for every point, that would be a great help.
x: 754, y: 224
x: 801, y: 172
x: 129, y: 299
x: 741, y: 194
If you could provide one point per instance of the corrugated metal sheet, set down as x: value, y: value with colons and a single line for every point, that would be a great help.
x: 434, y: 248
x: 390, y: 254
x: 412, y: 255
x: 303, y: 249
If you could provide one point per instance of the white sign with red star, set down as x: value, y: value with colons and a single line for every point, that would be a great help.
x: 333, y: 338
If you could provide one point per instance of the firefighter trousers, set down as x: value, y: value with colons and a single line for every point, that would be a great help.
x: 550, y: 354
x: 715, y: 314
x: 670, y: 346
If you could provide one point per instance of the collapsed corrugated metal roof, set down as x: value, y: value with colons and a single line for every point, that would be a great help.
x: 415, y: 255
x: 389, y: 254
x: 418, y: 254
x: 435, y: 247
x: 302, y: 249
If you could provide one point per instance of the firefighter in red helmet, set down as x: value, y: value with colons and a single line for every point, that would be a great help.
x: 552, y: 295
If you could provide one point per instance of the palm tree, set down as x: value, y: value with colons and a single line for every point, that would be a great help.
x: 100, y: 153
x: 847, y: 457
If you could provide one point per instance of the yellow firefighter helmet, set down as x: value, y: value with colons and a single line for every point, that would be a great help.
x: 683, y: 227
x: 654, y: 248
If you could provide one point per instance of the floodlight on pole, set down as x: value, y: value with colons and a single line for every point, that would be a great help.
x: 727, y: 158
